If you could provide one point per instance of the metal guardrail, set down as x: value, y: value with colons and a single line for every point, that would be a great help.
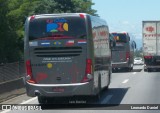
x: 11, y: 71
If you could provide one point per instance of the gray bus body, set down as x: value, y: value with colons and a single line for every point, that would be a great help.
x: 123, y: 52
x: 66, y: 55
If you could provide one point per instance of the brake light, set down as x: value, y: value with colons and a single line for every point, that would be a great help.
x: 88, y: 76
x: 148, y: 57
x: 88, y: 66
x: 124, y: 33
x: 127, y: 55
x: 28, y: 67
x: 29, y: 72
x: 32, y: 18
x: 81, y: 15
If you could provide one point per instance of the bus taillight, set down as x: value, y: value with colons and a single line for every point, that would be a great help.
x: 29, y: 72
x: 82, y: 16
x: 32, y: 18
x: 88, y: 76
x: 127, y: 55
x: 88, y: 66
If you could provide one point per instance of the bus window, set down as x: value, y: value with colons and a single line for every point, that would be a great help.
x: 120, y: 37
x: 53, y: 28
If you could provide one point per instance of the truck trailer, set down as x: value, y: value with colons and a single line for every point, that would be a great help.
x: 151, y: 44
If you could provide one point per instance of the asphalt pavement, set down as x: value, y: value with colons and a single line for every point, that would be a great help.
x: 129, y: 92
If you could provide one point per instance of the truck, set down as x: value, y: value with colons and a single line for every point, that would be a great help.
x: 151, y: 44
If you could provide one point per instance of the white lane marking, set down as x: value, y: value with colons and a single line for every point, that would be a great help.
x: 6, y: 111
x: 15, y: 98
x: 125, y: 81
x: 134, y: 73
x: 106, y: 100
x: 25, y: 102
x: 28, y: 101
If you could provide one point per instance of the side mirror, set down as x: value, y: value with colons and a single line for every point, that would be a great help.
x: 112, y: 41
x: 112, y: 44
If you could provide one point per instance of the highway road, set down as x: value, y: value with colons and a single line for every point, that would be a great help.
x: 129, y: 92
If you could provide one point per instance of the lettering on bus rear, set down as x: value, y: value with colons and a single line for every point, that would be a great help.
x: 57, y: 59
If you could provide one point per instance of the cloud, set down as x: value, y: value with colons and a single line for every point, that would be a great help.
x: 133, y: 28
x: 125, y: 22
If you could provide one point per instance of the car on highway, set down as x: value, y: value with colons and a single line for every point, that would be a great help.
x: 138, y: 61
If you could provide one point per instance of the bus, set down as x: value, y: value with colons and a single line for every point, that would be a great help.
x: 66, y: 55
x: 123, y: 52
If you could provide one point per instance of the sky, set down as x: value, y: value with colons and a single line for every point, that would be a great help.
x: 127, y: 15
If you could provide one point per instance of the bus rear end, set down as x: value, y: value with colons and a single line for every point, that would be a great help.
x: 56, y: 56
x: 121, y: 52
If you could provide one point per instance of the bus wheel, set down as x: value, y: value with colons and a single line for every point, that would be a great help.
x: 128, y: 69
x: 109, y: 80
x: 42, y: 100
x: 149, y: 70
x: 145, y: 70
x: 98, y: 96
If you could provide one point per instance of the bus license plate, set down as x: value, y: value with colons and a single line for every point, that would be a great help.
x: 58, y: 89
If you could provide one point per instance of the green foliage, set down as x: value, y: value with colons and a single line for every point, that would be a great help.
x: 84, y: 6
x: 13, y: 14
x: 138, y: 53
x: 8, y: 48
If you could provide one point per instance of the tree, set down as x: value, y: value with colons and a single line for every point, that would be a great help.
x: 8, y: 50
x: 13, y: 14
x: 138, y: 52
x: 84, y: 6
x: 64, y: 6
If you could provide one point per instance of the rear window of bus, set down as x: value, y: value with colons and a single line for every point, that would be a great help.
x: 61, y: 27
x: 119, y: 37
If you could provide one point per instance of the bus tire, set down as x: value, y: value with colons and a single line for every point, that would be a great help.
x: 42, y: 100
x: 128, y: 69
x: 98, y: 95
x: 145, y: 70
x: 149, y: 70
x: 109, y: 80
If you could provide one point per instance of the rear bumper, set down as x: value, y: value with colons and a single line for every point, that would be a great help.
x: 152, y: 63
x: 120, y: 65
x: 151, y: 66
x: 138, y: 63
x: 59, y: 90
